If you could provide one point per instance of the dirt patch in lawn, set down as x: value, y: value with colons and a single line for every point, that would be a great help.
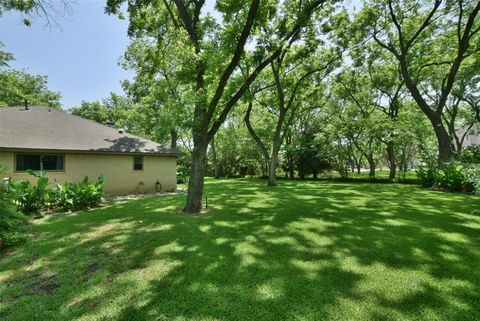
x: 92, y: 268
x: 42, y: 284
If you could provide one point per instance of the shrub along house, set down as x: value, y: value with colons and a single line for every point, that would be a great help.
x: 68, y: 148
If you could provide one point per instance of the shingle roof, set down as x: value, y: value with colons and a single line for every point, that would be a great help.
x: 51, y: 129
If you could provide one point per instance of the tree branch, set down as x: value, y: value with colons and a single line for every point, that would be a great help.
x: 187, y: 21
x: 170, y: 13
x: 252, y: 13
x: 254, y: 135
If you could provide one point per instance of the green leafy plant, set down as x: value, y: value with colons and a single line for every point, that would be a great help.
x: 12, y: 222
x: 452, y: 177
x: 79, y: 195
x: 470, y: 155
x: 427, y: 175
x: 182, y: 175
x: 31, y: 199
x: 455, y: 177
x: 472, y: 173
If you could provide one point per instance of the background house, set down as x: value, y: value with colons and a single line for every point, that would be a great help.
x: 473, y: 138
x: 68, y: 148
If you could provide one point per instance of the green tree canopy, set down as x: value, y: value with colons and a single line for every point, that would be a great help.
x: 204, y: 56
x: 19, y: 86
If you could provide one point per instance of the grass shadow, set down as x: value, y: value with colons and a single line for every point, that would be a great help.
x: 299, y: 251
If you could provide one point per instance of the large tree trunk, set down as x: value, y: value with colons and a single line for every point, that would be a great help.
x: 372, y: 165
x: 445, y: 144
x: 195, y: 183
x: 392, y: 159
x: 272, y: 170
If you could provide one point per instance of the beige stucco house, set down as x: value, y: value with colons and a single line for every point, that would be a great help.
x: 68, y: 148
x: 473, y: 137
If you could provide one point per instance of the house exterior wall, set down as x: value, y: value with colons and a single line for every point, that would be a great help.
x: 472, y: 138
x: 120, y: 177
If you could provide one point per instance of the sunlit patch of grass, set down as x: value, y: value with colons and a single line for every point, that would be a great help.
x: 298, y: 251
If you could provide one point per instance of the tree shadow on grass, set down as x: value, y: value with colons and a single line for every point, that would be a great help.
x: 297, y: 251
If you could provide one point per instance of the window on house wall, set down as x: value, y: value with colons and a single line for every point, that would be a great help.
x: 38, y: 162
x: 138, y: 163
x: 52, y: 162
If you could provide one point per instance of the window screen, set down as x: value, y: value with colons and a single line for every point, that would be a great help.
x: 25, y: 162
x: 52, y: 162
x: 39, y: 162
x: 138, y: 163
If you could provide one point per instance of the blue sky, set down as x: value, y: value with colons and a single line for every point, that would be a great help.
x: 80, y: 57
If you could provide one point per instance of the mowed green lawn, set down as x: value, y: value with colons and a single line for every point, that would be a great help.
x: 299, y: 251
